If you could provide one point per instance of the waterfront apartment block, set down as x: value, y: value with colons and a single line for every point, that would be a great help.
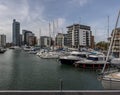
x: 66, y: 40
x: 59, y: 40
x: 45, y: 41
x: 116, y: 43
x: 32, y: 40
x: 16, y: 33
x: 92, y: 42
x: 62, y: 40
x: 2, y: 40
x: 20, y: 39
x: 28, y: 38
x: 79, y: 36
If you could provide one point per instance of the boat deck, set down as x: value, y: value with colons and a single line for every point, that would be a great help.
x: 114, y: 75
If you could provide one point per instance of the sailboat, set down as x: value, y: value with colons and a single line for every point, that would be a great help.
x: 111, y: 79
x: 50, y: 54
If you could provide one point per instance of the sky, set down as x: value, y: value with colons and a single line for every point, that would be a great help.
x: 35, y: 15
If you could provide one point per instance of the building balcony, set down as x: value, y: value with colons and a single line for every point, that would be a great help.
x: 116, y: 50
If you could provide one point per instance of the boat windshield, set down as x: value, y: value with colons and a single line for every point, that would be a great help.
x: 93, y: 58
x: 80, y: 55
x: 101, y: 59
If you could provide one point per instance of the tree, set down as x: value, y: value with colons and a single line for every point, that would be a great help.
x: 102, y: 45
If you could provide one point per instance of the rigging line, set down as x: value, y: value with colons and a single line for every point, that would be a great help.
x: 111, y: 42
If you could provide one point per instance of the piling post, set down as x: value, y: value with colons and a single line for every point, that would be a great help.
x: 99, y: 66
x: 93, y: 66
x: 61, y: 84
x: 84, y: 66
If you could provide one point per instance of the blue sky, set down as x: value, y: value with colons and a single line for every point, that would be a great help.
x: 36, y: 14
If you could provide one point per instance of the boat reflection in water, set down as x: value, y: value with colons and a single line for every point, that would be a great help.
x: 23, y: 71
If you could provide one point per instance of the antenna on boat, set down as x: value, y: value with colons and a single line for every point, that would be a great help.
x: 111, y: 42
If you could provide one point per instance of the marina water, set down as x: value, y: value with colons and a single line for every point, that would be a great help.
x: 20, y: 70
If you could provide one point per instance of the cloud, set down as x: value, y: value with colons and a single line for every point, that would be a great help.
x: 99, y: 29
x: 81, y: 3
x: 22, y: 11
x: 3, y: 8
x: 9, y: 11
x: 57, y: 23
x: 34, y: 15
x: 61, y: 22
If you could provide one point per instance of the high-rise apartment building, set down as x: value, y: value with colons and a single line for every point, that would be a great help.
x: 66, y: 40
x: 59, y: 40
x: 79, y: 36
x: 45, y: 41
x: 32, y: 41
x: 26, y: 34
x: 2, y: 40
x: 116, y: 43
x: 16, y: 33
x: 20, y: 39
x: 28, y: 38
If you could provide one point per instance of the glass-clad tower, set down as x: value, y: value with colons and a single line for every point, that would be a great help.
x: 16, y: 33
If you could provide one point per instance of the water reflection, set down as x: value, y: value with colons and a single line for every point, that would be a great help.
x: 22, y: 71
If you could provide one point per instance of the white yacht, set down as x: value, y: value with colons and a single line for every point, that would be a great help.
x: 2, y: 50
x: 41, y: 52
x: 52, y: 54
x: 92, y: 61
x: 15, y: 47
x: 28, y: 48
x: 115, y: 62
x: 73, y: 57
x: 32, y: 52
x: 111, y: 80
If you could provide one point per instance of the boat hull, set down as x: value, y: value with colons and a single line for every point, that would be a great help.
x: 49, y: 57
x: 2, y: 51
x: 111, y: 84
x: 91, y: 64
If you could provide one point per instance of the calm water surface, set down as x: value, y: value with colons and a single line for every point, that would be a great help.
x: 22, y: 71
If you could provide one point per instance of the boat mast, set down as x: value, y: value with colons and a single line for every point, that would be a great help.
x: 62, y: 42
x: 53, y: 35
x: 40, y: 37
x: 108, y: 27
x: 49, y: 34
x: 108, y: 32
x: 111, y: 42
x: 79, y: 34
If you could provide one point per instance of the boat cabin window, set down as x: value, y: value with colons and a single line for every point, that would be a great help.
x: 101, y: 58
x: 93, y: 58
x: 80, y: 55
